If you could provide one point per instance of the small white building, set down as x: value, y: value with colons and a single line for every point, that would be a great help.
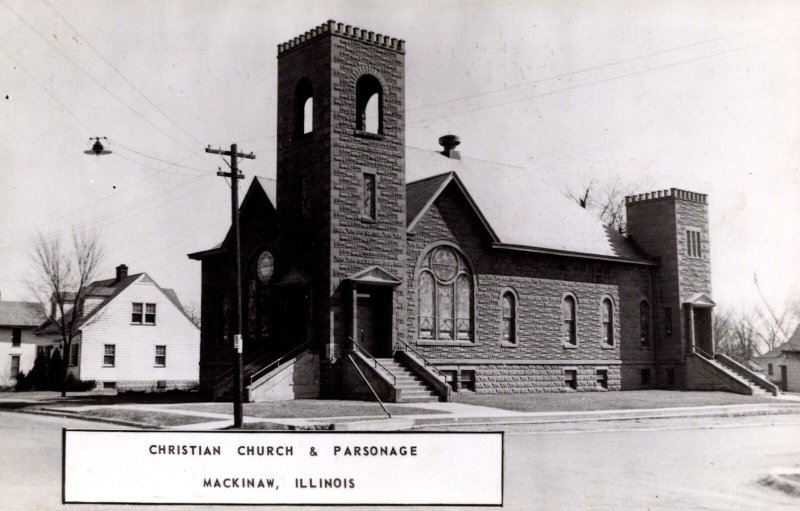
x: 782, y: 364
x: 135, y: 335
x: 18, y: 343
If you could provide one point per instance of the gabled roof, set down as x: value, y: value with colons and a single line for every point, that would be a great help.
x: 268, y: 187
x: 428, y: 190
x: 791, y: 346
x: 701, y: 300
x: 21, y: 314
x: 522, y: 210
x: 374, y: 275
x: 109, y: 289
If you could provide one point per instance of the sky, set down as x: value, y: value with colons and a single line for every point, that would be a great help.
x: 696, y: 95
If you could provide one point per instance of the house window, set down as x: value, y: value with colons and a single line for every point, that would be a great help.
x: 74, y: 354
x: 137, y: 314
x: 769, y: 369
x: 369, y: 105
x: 602, y: 378
x: 150, y: 314
x: 571, y: 378
x: 44, y: 351
x: 109, y: 354
x: 14, y: 366
x: 694, y: 247
x: 509, y: 311
x: 607, y: 320
x: 369, y: 196
x: 16, y: 336
x: 645, y: 377
x: 569, y: 310
x: 644, y: 324
x: 668, y: 321
x: 304, y: 107
x: 161, y: 356
x: 444, y: 296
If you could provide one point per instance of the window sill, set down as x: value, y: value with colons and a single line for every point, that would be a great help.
x: 607, y: 346
x: 106, y: 365
x: 143, y: 324
x: 569, y: 346
x: 367, y: 219
x: 431, y: 342
x: 159, y: 367
x: 370, y: 135
x: 506, y: 344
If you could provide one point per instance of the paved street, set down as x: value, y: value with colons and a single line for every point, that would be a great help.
x: 705, y: 463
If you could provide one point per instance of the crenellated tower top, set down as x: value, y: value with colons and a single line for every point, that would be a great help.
x: 340, y: 29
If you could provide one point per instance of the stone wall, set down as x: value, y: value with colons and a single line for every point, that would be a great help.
x: 298, y: 379
x: 540, y: 282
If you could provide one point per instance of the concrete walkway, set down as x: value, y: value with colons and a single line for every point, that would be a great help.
x: 449, y: 414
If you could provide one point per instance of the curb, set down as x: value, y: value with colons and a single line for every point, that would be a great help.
x: 396, y: 424
x: 72, y: 415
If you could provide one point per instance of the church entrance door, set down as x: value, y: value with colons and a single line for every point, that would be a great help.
x: 373, y: 324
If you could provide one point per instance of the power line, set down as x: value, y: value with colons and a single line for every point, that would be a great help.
x: 95, y: 80
x: 104, y: 59
x: 596, y: 82
x: 171, y: 164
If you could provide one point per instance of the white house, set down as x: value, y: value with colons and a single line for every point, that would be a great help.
x: 18, y: 344
x: 782, y: 364
x: 135, y: 335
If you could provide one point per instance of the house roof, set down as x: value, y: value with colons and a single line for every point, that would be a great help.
x: 792, y: 345
x: 21, y: 314
x: 520, y: 208
x: 109, y: 289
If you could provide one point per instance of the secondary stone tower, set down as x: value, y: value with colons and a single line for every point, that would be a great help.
x: 673, y: 226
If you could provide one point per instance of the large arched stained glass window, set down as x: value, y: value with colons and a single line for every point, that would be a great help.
x: 444, y: 296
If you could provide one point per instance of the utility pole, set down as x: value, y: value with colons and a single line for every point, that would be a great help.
x: 235, y: 176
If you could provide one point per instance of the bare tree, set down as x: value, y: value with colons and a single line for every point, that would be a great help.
x: 606, y: 200
x: 192, y: 310
x: 62, y: 274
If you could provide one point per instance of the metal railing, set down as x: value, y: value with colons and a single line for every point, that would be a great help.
x: 697, y: 349
x: 227, y: 374
x: 275, y: 363
x: 425, y: 362
x: 375, y: 362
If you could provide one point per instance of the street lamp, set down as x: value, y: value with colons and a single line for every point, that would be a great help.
x: 97, y: 148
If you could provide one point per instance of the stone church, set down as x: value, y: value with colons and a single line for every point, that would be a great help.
x: 369, y: 266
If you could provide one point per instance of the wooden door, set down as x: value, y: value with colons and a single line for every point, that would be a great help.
x: 784, y: 379
x: 372, y: 324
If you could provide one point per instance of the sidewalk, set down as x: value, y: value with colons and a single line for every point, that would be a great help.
x: 166, y: 416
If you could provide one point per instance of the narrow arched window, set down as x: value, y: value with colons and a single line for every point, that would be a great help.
x: 569, y: 311
x: 607, y: 321
x: 369, y: 105
x: 304, y: 107
x: 444, y: 296
x: 509, y: 310
x: 644, y: 323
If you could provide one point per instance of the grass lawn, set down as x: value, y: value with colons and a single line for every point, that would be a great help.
x: 87, y: 398
x: 594, y: 401
x: 145, y: 417
x: 307, y: 409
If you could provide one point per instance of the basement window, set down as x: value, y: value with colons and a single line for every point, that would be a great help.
x: 571, y: 378
x: 468, y: 380
x: 645, y: 377
x: 602, y: 378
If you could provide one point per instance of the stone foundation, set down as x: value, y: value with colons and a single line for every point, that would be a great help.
x: 150, y: 385
x: 534, y: 378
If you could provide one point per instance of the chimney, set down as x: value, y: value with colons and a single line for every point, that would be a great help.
x: 449, y: 143
x: 122, y: 272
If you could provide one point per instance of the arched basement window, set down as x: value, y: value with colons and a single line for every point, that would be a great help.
x: 444, y: 296
x: 607, y: 321
x: 304, y: 107
x: 369, y: 105
x: 644, y: 323
x: 569, y: 313
x: 509, y: 310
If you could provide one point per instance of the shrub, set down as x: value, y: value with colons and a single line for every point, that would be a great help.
x: 24, y: 381
x: 75, y: 385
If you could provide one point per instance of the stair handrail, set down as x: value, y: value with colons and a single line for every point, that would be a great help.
x: 423, y: 359
x: 221, y: 377
x: 731, y: 355
x: 703, y: 352
x: 374, y: 360
x: 277, y: 362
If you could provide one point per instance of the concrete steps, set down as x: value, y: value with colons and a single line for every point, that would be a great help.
x: 413, y: 389
x: 758, y: 390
